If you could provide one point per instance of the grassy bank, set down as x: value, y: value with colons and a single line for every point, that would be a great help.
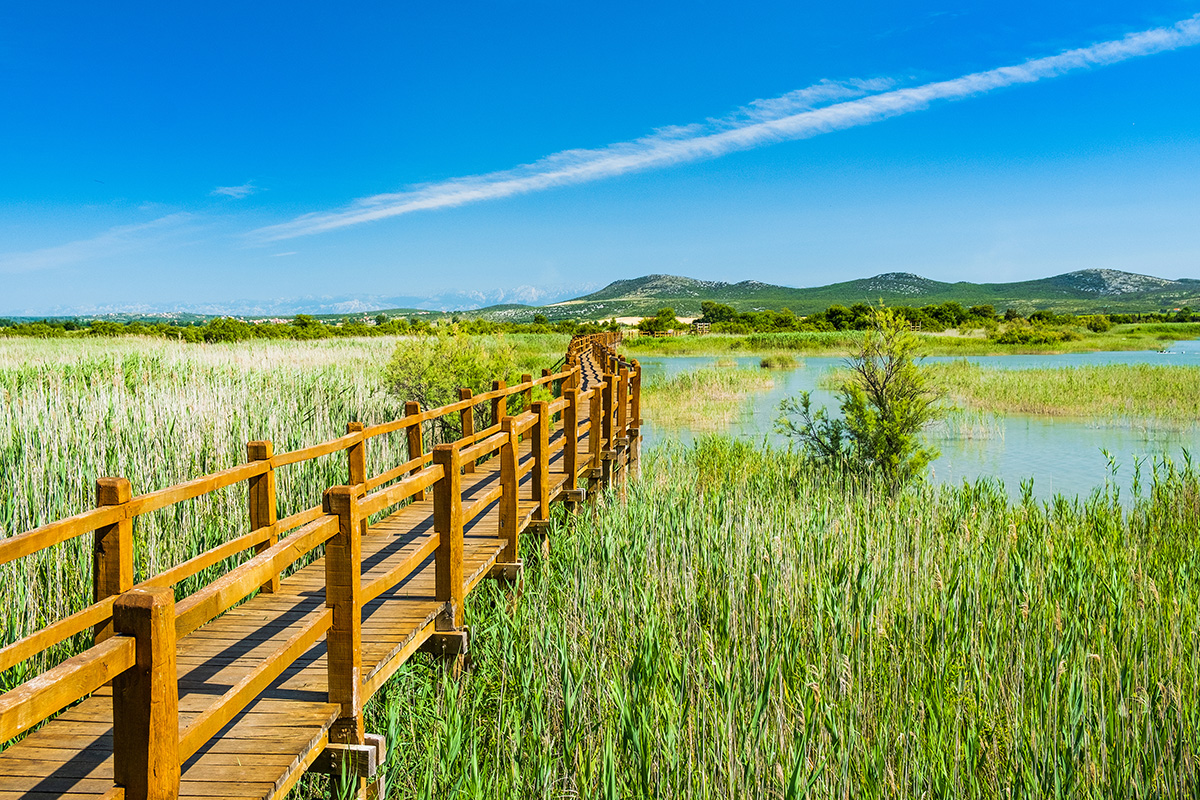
x: 1147, y: 336
x: 1114, y: 391
x: 746, y: 626
x: 703, y: 399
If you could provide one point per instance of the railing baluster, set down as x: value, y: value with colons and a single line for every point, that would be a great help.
x: 622, y: 401
x: 467, y: 418
x: 607, y: 427
x: 527, y: 395
x: 541, y: 460
x: 262, y: 499
x: 112, y: 550
x: 146, y: 698
x: 571, y: 431
x: 343, y: 594
x: 448, y: 522
x: 416, y: 442
x: 499, y: 404
x: 596, y: 425
x: 508, y: 494
x: 356, y: 463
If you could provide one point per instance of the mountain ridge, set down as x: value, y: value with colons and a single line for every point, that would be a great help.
x: 1081, y: 291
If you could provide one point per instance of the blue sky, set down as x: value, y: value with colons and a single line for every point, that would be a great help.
x: 161, y: 155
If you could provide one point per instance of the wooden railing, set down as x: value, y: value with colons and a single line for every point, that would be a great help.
x: 136, y: 628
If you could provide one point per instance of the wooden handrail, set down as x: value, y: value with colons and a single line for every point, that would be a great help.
x: 230, y: 588
x: 484, y: 448
x: 56, y: 688
x: 398, y: 493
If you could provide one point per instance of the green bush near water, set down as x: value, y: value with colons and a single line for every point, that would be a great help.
x: 748, y: 624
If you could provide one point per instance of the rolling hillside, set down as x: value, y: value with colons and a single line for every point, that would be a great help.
x: 1085, y: 291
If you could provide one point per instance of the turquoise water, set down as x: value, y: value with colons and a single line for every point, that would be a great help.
x: 1064, y: 456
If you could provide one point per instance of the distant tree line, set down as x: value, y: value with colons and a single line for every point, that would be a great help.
x: 303, y: 326
x: 934, y: 318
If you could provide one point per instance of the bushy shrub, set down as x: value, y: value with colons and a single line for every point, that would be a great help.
x: 886, y: 404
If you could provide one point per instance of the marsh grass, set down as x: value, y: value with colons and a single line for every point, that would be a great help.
x: 748, y: 625
x: 779, y: 361
x: 705, y: 399
x: 1104, y: 393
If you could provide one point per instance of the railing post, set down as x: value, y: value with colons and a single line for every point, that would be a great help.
x: 596, y: 424
x: 146, y: 698
x: 607, y: 427
x: 508, y: 494
x: 262, y: 500
x: 527, y: 395
x: 343, y: 594
x: 636, y: 390
x: 416, y: 443
x: 499, y: 404
x: 571, y: 431
x: 112, y: 550
x: 546, y: 374
x: 356, y: 458
x: 541, y: 460
x: 467, y: 418
x: 622, y: 401
x: 448, y: 523
x: 635, y: 412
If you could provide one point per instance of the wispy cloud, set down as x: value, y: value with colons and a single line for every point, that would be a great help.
x: 279, y: 255
x: 236, y: 192
x: 827, y: 106
x: 114, y: 241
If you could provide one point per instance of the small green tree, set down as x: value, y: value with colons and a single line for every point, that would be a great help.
x: 664, y: 320
x: 885, y: 404
x: 430, y: 369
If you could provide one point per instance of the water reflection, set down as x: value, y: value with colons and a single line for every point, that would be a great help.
x: 1061, y: 455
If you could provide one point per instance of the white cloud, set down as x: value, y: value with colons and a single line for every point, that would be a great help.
x: 822, y: 108
x: 236, y: 192
x: 114, y: 241
x: 288, y: 253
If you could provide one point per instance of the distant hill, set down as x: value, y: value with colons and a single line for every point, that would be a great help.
x: 1084, y: 291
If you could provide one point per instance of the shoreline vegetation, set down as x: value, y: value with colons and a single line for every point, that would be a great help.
x: 1138, y: 336
x: 704, y: 399
x: 747, y: 624
x: 1103, y: 392
x: 1099, y: 392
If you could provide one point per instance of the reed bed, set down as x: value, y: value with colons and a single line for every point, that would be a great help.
x: 747, y: 625
x: 705, y: 399
x: 1107, y: 392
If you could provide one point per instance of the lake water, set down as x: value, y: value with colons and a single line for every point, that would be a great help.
x: 1060, y: 455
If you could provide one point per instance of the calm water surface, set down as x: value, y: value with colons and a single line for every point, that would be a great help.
x: 1060, y: 455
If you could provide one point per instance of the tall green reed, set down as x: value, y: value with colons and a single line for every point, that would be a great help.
x: 748, y: 625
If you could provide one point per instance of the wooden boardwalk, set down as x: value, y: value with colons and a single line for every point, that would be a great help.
x: 273, y: 687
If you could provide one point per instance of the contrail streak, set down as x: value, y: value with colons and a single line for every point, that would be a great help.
x: 827, y: 106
